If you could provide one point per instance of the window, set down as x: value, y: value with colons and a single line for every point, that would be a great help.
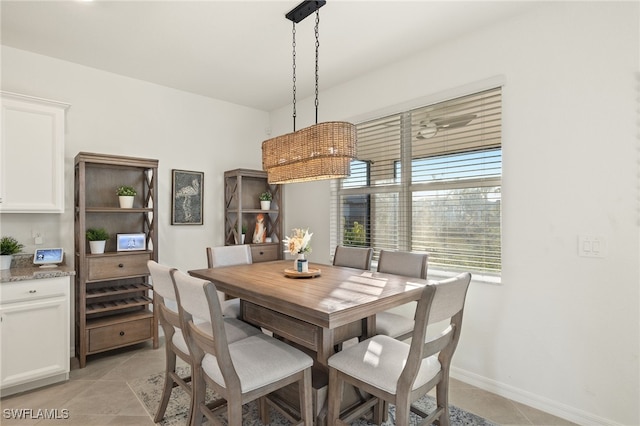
x: 428, y: 180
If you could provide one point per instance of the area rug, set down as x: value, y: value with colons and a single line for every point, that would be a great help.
x: 149, y: 390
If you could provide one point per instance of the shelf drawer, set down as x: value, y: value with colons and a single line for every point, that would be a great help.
x: 120, y: 334
x: 264, y: 252
x: 113, y: 267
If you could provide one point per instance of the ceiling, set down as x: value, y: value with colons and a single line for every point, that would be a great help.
x: 240, y: 51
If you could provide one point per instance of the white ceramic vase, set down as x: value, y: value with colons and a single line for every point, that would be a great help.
x: 295, y: 262
x: 97, y: 247
x: 126, y: 201
x: 5, y: 261
x: 265, y: 205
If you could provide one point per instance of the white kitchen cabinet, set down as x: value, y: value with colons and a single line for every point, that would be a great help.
x: 34, y: 332
x: 32, y: 155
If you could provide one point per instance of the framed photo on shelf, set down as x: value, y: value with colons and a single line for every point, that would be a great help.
x: 186, y: 197
x: 132, y: 242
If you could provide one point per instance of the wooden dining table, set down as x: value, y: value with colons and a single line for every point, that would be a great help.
x: 315, y: 311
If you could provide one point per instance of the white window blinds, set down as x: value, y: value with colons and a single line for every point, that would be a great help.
x: 428, y: 180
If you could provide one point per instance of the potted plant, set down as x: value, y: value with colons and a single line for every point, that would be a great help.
x: 97, y: 238
x: 125, y: 195
x: 244, y: 232
x: 8, y: 247
x: 265, y: 200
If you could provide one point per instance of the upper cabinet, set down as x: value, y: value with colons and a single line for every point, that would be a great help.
x: 32, y: 155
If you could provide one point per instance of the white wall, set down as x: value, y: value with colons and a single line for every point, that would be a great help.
x: 112, y: 114
x: 561, y: 332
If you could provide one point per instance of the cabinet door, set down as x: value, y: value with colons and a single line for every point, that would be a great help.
x: 32, y: 155
x: 35, y: 340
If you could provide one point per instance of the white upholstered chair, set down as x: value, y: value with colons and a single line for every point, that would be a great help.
x: 399, y: 263
x: 400, y: 373
x: 240, y: 371
x: 353, y: 257
x: 175, y: 345
x: 218, y: 257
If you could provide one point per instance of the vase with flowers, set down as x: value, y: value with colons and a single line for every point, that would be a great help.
x: 298, y: 245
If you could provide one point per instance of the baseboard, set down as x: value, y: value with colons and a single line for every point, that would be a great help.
x: 532, y: 400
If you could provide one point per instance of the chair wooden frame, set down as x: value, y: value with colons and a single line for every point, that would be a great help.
x: 232, y: 396
x: 437, y: 302
x: 170, y: 322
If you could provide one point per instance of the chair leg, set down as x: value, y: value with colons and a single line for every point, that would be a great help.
x: 335, y: 396
x: 263, y: 408
x: 442, y: 400
x: 198, y: 394
x: 306, y: 399
x: 403, y: 410
x: 170, y: 367
x: 234, y: 412
x: 378, y: 412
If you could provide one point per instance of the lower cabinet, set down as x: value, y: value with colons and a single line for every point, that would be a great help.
x: 35, y: 333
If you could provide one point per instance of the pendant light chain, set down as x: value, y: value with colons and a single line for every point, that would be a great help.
x: 294, y: 76
x: 317, y: 46
x: 317, y: 152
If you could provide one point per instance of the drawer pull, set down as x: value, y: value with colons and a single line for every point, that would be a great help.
x: 120, y: 265
x: 122, y: 333
x: 32, y: 291
x: 261, y: 252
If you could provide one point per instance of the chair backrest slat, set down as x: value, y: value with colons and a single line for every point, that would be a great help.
x: 353, y: 257
x: 191, y: 295
x: 403, y: 263
x: 449, y: 299
x: 229, y: 255
x: 161, y: 280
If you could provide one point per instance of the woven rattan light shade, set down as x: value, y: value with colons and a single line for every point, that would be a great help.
x: 321, y: 151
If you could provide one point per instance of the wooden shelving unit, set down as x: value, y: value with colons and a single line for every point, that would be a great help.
x: 242, y: 188
x: 113, y: 297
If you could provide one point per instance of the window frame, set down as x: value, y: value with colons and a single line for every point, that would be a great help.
x: 404, y: 186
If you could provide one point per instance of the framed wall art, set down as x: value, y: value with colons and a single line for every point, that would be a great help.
x: 186, y: 198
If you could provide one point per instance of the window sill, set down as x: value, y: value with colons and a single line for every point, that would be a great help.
x: 476, y: 277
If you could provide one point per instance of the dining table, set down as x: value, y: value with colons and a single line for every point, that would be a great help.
x: 317, y: 310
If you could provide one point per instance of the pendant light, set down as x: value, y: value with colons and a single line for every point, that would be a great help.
x: 321, y: 151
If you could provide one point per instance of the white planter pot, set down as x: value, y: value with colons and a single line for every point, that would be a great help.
x: 265, y: 205
x: 97, y: 247
x: 5, y: 261
x: 126, y: 201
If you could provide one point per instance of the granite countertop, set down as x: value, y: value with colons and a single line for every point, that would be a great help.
x: 22, y: 268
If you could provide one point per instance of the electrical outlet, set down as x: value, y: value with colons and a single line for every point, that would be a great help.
x: 38, y: 236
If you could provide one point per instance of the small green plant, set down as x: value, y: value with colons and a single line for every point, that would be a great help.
x: 9, y: 245
x: 356, y: 236
x: 244, y: 229
x: 125, y: 191
x: 266, y: 196
x: 97, y: 234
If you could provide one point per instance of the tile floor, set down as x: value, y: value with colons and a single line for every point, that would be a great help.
x: 99, y: 395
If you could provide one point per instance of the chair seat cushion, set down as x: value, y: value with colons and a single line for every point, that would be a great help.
x: 393, y: 325
x: 379, y: 361
x: 259, y: 360
x: 235, y: 328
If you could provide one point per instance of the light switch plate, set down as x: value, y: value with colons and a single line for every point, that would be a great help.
x: 592, y: 246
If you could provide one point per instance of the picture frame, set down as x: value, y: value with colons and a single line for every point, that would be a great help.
x: 131, y: 242
x: 187, y: 193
